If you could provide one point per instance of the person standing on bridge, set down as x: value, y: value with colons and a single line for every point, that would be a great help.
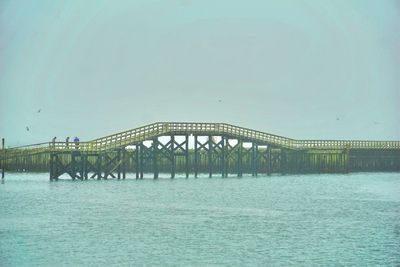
x: 53, y: 141
x: 76, y: 141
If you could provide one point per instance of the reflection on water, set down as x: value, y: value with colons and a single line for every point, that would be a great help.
x: 278, y: 220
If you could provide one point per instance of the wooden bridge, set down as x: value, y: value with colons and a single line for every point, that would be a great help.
x: 206, y: 147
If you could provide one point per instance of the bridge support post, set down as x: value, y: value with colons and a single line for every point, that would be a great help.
x: 70, y: 169
x: 223, y: 157
x: 77, y: 165
x: 141, y: 159
x: 155, y: 157
x: 123, y: 163
x: 269, y: 160
x: 85, y: 163
x: 73, y: 166
x: 209, y: 156
x: 254, y: 159
x: 284, y: 162
x: 81, y: 166
x: 196, y: 166
x: 51, y: 163
x: 2, y: 169
x: 119, y: 152
x: 172, y: 155
x: 187, y: 155
x: 53, y: 167
x: 347, y: 160
x: 137, y: 161
x: 98, y: 163
x: 2, y: 162
x: 239, y: 158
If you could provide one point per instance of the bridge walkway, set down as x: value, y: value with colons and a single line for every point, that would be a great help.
x: 152, y: 131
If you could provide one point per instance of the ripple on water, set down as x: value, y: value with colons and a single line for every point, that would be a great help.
x: 278, y: 220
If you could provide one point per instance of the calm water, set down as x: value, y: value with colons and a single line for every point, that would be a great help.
x: 304, y: 220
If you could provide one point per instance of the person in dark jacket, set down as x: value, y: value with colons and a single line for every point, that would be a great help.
x: 76, y: 141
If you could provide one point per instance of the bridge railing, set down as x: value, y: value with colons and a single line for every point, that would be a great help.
x: 226, y: 129
x: 22, y: 150
x: 354, y: 144
x: 190, y: 128
x: 250, y: 134
x: 240, y: 132
x: 127, y: 137
x: 156, y: 129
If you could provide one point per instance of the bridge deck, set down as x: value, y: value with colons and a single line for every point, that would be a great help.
x: 152, y: 131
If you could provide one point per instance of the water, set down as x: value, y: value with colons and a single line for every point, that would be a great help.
x: 326, y: 220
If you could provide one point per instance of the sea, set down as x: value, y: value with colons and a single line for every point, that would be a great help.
x: 278, y: 220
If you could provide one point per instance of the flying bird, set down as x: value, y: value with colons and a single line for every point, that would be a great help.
x: 27, y: 128
x: 39, y: 110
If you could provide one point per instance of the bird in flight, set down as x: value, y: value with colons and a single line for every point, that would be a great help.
x: 27, y: 128
x: 39, y: 110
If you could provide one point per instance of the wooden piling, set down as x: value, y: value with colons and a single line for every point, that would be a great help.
x: 239, y: 158
x: 2, y: 162
x: 137, y: 167
x: 187, y: 155
x: 223, y: 157
x: 196, y: 166
x: 172, y: 155
x: 209, y: 154
x: 269, y: 161
x: 51, y: 172
x: 99, y: 165
x: 254, y: 157
x: 155, y: 157
x: 141, y: 159
x: 123, y: 163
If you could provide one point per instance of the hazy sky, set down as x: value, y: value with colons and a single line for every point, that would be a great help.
x: 302, y: 69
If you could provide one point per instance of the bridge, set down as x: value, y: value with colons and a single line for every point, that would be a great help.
x: 203, y: 147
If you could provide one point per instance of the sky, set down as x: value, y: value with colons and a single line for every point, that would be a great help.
x: 301, y: 69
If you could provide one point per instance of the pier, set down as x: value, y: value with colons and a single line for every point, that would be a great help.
x: 193, y: 148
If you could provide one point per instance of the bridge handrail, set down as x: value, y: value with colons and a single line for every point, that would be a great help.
x: 223, y: 128
x: 27, y: 146
x: 14, y: 151
x: 347, y: 144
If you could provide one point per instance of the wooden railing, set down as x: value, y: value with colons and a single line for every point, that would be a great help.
x: 24, y: 150
x: 154, y: 130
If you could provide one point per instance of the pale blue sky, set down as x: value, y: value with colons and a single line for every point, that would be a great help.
x: 302, y: 69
